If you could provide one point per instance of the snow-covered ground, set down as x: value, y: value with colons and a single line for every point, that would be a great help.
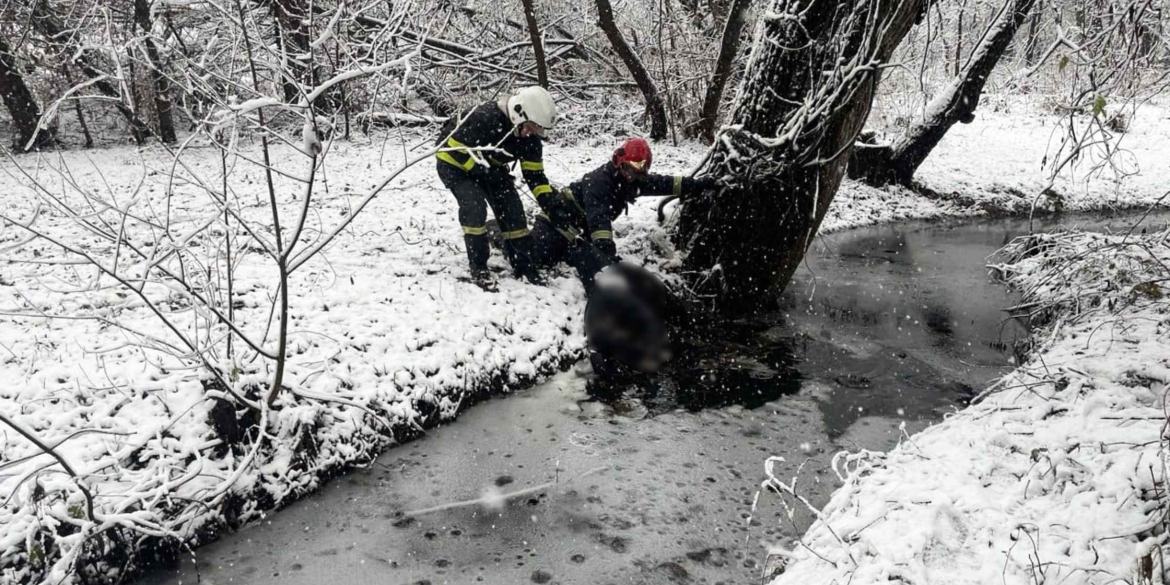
x: 386, y: 336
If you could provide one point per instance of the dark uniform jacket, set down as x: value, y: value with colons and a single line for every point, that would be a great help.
x: 603, y: 194
x: 488, y: 126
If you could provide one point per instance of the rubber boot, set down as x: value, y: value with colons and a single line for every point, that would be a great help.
x: 478, y: 251
x: 519, y: 254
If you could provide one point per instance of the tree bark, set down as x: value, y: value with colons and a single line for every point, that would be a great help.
x: 159, y: 83
x: 654, y: 104
x: 293, y: 31
x: 80, y: 112
x: 728, y: 49
x: 1033, y: 35
x: 46, y: 22
x: 807, y: 92
x: 959, y: 41
x: 21, y: 104
x: 537, y: 45
x: 898, y: 162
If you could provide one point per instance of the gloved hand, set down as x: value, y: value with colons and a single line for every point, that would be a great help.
x: 607, y: 247
x: 488, y: 174
x: 561, y: 208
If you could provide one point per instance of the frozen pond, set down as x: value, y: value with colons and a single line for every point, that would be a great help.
x: 885, y: 326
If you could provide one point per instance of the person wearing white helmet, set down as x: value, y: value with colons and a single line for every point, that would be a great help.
x: 479, y: 149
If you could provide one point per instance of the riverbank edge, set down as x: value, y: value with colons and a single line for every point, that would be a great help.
x: 981, y: 497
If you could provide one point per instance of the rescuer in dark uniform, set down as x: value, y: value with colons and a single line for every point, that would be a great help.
x: 474, y: 165
x: 581, y: 231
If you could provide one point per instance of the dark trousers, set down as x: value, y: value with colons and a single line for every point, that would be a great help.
x: 475, y: 192
x: 551, y: 247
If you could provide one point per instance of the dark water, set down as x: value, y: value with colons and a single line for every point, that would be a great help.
x: 891, y: 321
x: 884, y: 331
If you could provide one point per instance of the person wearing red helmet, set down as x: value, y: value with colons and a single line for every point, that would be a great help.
x: 584, y: 238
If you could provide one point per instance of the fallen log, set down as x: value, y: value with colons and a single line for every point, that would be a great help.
x: 397, y: 120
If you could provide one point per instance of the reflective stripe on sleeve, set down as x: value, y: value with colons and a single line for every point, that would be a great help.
x: 541, y: 190
x: 475, y: 231
x: 512, y: 235
x: 447, y: 158
x: 531, y: 166
x: 677, y: 191
x: 601, y: 235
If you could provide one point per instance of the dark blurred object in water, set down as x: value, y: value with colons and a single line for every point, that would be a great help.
x: 626, y: 320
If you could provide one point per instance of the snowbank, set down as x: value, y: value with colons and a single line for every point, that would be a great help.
x: 388, y: 339
x: 1058, y: 473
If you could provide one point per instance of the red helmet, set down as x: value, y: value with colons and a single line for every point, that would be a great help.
x: 636, y: 152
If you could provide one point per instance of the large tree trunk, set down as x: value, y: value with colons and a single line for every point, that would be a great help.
x: 21, y: 104
x: 807, y: 92
x: 537, y: 45
x: 728, y: 48
x: 898, y: 162
x: 47, y: 23
x: 641, y: 76
x: 159, y: 83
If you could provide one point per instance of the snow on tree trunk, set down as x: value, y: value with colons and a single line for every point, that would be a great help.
x: 898, y: 162
x: 807, y: 92
x: 159, y: 83
x: 537, y: 45
x: 641, y: 76
x: 21, y: 103
x: 728, y: 47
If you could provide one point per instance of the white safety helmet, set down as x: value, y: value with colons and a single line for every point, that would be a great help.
x: 533, y: 104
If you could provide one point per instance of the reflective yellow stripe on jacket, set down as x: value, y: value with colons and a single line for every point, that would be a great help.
x: 447, y: 158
